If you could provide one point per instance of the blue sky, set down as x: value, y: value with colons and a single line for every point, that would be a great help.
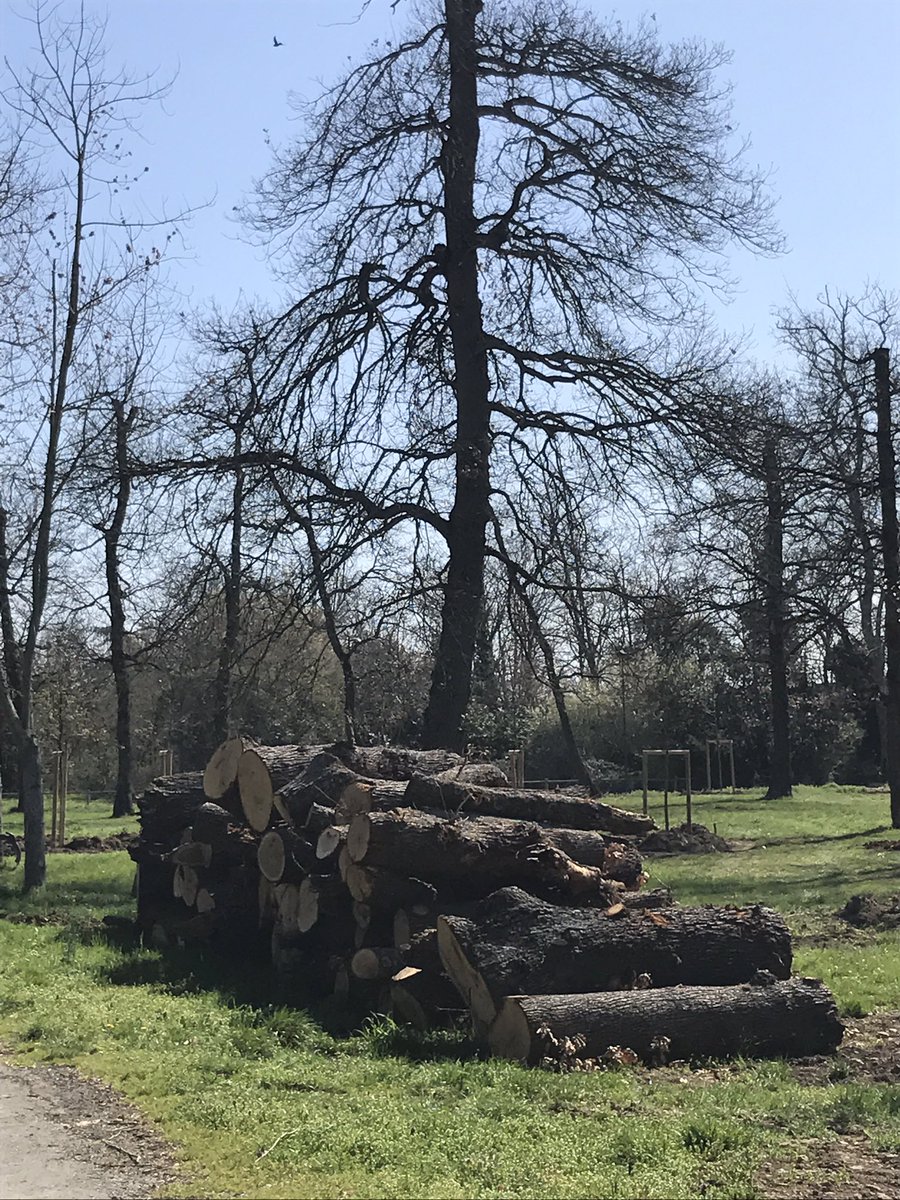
x: 815, y: 88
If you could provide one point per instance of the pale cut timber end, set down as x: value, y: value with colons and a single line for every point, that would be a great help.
x: 205, y: 901
x: 255, y: 788
x: 358, y: 882
x: 344, y: 865
x: 190, y: 885
x: 281, y: 808
x: 467, y: 981
x: 402, y: 930
x: 509, y: 1036
x: 328, y: 841
x: 287, y: 897
x: 178, y: 883
x: 308, y: 907
x: 355, y: 798
x: 221, y: 770
x: 270, y: 856
x: 406, y: 973
x: 358, y: 837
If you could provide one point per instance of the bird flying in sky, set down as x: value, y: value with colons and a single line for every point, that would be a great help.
x: 276, y: 43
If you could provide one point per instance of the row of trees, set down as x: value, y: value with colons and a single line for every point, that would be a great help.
x: 491, y: 454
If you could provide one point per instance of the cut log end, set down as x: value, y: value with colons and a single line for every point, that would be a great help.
x: 467, y: 981
x: 270, y: 856
x: 222, y: 769
x: 255, y: 787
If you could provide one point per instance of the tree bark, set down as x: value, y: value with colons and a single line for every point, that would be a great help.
x: 776, y: 622
x: 122, y: 802
x: 231, y: 586
x: 451, y: 681
x: 32, y: 799
x: 528, y: 804
x: 519, y: 945
x: 890, y: 548
x: 793, y: 1017
x: 472, y: 856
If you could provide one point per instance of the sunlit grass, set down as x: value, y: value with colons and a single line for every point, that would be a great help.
x: 84, y: 818
x: 227, y: 1074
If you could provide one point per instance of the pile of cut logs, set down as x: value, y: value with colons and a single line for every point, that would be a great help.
x: 419, y: 884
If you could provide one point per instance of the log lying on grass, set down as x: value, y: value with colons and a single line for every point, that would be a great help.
x: 549, y: 808
x: 473, y: 856
x: 519, y: 945
x: 794, y: 1017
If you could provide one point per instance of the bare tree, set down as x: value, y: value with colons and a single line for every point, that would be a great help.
x: 497, y: 225
x: 73, y: 114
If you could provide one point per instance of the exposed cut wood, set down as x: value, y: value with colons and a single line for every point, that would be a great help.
x: 550, y: 808
x: 283, y: 855
x: 794, y: 1017
x: 330, y: 841
x: 320, y: 894
x: 190, y: 884
x: 517, y: 944
x: 473, y: 855
x: 205, y: 901
x: 221, y: 770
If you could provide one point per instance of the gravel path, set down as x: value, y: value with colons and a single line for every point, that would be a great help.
x: 64, y: 1136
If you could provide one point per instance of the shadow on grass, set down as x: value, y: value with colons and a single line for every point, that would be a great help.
x: 787, y: 893
x: 812, y: 839
x: 247, y: 981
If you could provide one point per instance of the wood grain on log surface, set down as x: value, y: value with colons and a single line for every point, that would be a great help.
x: 793, y: 1017
x: 473, y: 855
x: 524, y: 804
x: 517, y: 944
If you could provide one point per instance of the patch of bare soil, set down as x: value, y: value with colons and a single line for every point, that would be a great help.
x: 99, y: 845
x: 882, y: 844
x: 872, y: 912
x: 696, y: 840
x: 848, y: 1166
x: 62, y: 1135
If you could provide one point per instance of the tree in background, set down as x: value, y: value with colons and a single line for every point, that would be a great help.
x: 477, y: 217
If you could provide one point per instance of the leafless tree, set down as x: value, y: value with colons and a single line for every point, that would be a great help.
x: 498, y: 225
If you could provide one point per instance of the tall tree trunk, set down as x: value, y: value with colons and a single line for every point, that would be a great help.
x: 122, y: 803
x: 451, y: 680
x: 341, y: 653
x: 33, y: 808
x: 232, y: 586
x: 887, y: 487
x: 776, y: 621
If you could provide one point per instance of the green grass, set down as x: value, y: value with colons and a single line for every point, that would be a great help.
x: 84, y: 818
x: 226, y: 1073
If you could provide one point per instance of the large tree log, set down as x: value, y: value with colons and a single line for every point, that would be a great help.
x: 263, y: 770
x: 481, y: 774
x: 395, y: 762
x: 321, y: 895
x: 793, y: 1017
x: 475, y: 855
x: 549, y: 808
x: 519, y: 945
x: 168, y: 805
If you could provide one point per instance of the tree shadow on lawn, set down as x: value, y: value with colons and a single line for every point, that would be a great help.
x: 784, y: 893
x: 248, y: 981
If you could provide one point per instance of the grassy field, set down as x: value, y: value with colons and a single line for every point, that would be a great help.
x: 228, y: 1075
x: 84, y: 818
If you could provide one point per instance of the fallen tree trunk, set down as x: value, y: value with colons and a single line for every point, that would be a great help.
x: 474, y: 856
x: 549, y: 808
x: 793, y: 1017
x: 264, y: 770
x: 519, y: 945
x: 395, y: 762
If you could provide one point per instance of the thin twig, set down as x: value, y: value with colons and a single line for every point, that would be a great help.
x: 288, y: 1133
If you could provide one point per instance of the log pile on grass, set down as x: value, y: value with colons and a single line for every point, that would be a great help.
x: 417, y: 884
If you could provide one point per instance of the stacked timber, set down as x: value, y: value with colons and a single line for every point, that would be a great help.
x: 420, y: 884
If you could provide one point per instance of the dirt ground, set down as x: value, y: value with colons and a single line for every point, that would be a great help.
x: 63, y: 1136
